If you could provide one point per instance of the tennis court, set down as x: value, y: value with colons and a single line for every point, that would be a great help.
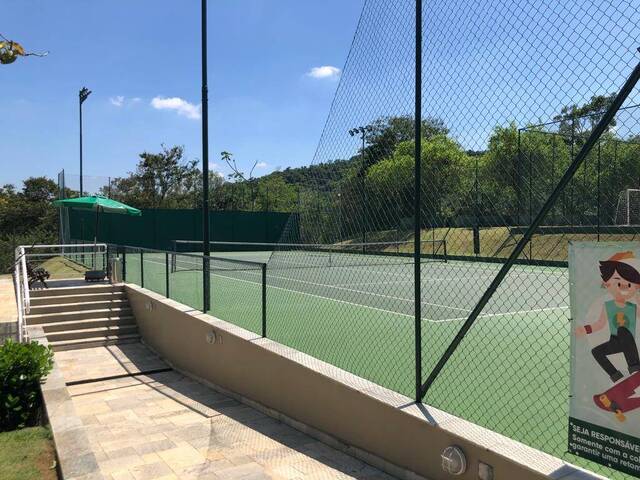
x: 359, y: 315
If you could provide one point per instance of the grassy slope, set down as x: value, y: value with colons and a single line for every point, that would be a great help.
x: 27, y: 454
x: 496, y: 242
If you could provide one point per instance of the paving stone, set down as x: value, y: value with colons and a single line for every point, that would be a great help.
x: 151, y: 471
x: 167, y: 426
x: 155, y: 446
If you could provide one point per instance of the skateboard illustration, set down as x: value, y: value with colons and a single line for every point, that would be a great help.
x: 620, y: 398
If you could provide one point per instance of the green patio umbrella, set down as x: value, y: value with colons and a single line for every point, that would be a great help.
x: 99, y: 204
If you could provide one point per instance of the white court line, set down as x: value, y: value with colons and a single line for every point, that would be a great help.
x: 489, y: 315
x: 337, y: 287
x: 360, y: 291
x: 502, y: 314
x: 448, y: 320
x: 517, y: 268
x: 424, y: 280
x: 321, y: 297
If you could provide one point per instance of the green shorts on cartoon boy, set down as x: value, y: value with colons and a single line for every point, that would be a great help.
x: 621, y: 277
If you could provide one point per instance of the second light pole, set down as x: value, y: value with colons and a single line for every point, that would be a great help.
x: 82, y: 95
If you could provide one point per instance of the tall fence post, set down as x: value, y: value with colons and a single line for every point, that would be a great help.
x: 476, y: 210
x: 417, y: 201
x: 576, y: 162
x: 264, y: 300
x: 142, y: 268
x: 598, y: 188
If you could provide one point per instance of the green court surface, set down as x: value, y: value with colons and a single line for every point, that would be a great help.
x: 510, y: 374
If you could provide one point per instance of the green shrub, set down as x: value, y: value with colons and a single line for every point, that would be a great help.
x: 22, y: 367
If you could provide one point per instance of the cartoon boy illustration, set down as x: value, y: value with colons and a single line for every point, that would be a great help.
x: 621, y: 277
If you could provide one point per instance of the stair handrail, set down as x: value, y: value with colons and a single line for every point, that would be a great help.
x: 18, y: 277
x: 25, y: 280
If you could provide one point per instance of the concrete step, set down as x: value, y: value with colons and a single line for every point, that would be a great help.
x: 50, y: 292
x: 98, y: 332
x: 43, y: 318
x: 90, y: 323
x: 76, y: 307
x: 94, y: 342
x: 78, y: 298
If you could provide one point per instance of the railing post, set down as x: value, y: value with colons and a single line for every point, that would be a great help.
x: 264, y: 300
x: 142, y: 268
x: 108, y: 263
x: 124, y: 264
x: 166, y: 273
x: 206, y: 276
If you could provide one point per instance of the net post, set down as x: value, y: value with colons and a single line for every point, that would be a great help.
x: 166, y: 273
x: 264, y: 300
x: 142, y: 268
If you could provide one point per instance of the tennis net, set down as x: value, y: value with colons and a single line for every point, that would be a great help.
x: 181, y: 262
x: 296, y: 255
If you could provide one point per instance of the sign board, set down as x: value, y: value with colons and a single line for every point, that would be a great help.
x: 604, y: 414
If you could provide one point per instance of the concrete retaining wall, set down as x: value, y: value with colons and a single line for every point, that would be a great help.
x: 382, y: 427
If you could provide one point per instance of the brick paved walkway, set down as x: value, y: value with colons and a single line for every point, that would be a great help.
x: 166, y: 425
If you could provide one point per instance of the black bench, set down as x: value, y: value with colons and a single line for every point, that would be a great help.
x: 37, y: 274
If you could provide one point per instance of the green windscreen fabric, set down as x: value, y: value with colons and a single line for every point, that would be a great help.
x: 156, y: 228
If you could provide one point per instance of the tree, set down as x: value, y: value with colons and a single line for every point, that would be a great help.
x: 579, y: 120
x: 39, y: 189
x: 445, y: 192
x: 388, y: 132
x: 26, y: 216
x: 161, y: 180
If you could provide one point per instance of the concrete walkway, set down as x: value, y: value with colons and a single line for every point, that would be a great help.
x: 164, y: 425
x: 8, y: 309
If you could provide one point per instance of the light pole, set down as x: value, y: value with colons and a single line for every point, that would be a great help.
x: 82, y: 95
x: 205, y: 164
x: 362, y: 131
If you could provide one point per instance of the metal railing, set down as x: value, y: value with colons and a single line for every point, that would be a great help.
x: 19, y: 277
x: 179, y: 276
x: 90, y: 256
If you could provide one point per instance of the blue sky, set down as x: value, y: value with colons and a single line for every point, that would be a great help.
x: 266, y: 102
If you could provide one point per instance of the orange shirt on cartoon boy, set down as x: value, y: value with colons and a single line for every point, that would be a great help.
x: 621, y: 277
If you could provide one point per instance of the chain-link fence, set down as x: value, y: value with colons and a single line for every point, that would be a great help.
x: 512, y: 95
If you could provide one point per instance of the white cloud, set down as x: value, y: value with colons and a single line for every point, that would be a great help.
x: 136, y: 100
x: 326, y: 71
x: 178, y: 104
x: 261, y: 165
x: 117, y: 101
